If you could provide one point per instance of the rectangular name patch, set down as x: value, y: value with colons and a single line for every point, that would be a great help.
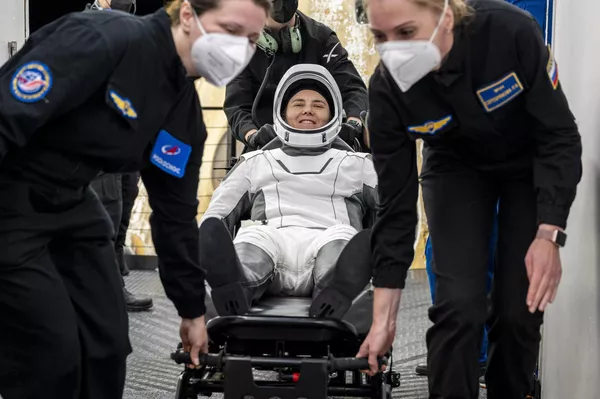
x: 170, y: 155
x: 501, y: 92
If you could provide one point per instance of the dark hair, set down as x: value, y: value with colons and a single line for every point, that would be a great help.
x: 307, y: 84
x: 202, y: 6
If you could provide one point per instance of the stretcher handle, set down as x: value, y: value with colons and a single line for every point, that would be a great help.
x: 204, y: 359
x: 333, y: 363
x: 353, y: 363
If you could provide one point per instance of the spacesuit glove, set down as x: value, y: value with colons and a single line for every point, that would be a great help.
x: 350, y: 131
x: 262, y: 137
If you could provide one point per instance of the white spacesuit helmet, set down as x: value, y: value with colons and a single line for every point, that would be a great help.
x: 307, y: 137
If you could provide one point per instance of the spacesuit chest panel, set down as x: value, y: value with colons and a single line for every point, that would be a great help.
x: 306, y: 190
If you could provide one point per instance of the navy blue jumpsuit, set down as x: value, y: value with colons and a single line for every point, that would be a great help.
x: 496, y: 126
x: 90, y: 92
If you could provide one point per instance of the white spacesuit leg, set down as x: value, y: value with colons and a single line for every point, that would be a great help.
x: 292, y: 274
x: 258, y: 248
x: 325, y: 252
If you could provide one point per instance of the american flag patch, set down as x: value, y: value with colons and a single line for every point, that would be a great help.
x: 552, y: 69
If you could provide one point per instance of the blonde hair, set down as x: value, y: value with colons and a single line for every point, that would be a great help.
x: 201, y: 6
x: 460, y: 8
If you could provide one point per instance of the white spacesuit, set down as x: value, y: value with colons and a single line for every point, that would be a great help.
x: 310, y: 192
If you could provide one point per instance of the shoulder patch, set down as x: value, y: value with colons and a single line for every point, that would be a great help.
x: 430, y: 127
x: 499, y: 93
x: 123, y: 104
x: 170, y: 154
x: 31, y: 82
x: 552, y: 69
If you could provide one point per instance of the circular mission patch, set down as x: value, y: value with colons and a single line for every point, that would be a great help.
x: 31, y: 82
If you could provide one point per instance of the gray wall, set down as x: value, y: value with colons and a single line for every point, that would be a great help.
x: 12, y: 25
x: 570, y: 357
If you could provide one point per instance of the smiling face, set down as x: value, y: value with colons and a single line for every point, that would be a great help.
x: 307, y: 109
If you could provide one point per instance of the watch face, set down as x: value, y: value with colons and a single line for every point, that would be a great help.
x: 561, y: 238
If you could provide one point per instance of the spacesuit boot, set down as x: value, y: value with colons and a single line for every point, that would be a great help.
x: 352, y: 273
x: 224, y: 272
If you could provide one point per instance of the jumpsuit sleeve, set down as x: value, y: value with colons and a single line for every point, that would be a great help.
x: 174, y: 227
x: 232, y: 198
x: 239, y: 98
x: 557, y: 164
x: 52, y: 74
x: 352, y: 87
x: 395, y: 159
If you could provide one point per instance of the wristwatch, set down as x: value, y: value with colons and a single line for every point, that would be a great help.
x: 358, y: 125
x: 559, y: 238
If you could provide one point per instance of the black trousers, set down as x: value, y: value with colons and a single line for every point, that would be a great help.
x: 108, y: 188
x: 129, y: 192
x: 64, y: 324
x: 460, y: 203
x: 109, y: 191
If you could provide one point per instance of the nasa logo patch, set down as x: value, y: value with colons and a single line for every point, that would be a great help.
x: 170, y: 154
x: 31, y: 82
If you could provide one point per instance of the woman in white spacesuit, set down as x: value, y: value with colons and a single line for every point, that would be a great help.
x: 310, y: 194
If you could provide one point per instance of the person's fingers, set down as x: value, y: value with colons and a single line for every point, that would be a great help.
x: 185, y: 342
x: 540, y: 292
x: 374, y: 366
x: 558, y: 278
x: 194, y: 353
x: 529, y: 265
x: 547, y: 296
x: 363, y: 351
x: 554, y: 292
x: 534, y: 284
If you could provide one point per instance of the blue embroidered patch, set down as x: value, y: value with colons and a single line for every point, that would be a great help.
x: 430, y: 127
x: 31, y: 82
x: 501, y: 92
x: 170, y: 154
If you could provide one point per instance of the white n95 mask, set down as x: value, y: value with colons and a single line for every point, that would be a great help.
x: 220, y: 57
x: 408, y: 61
